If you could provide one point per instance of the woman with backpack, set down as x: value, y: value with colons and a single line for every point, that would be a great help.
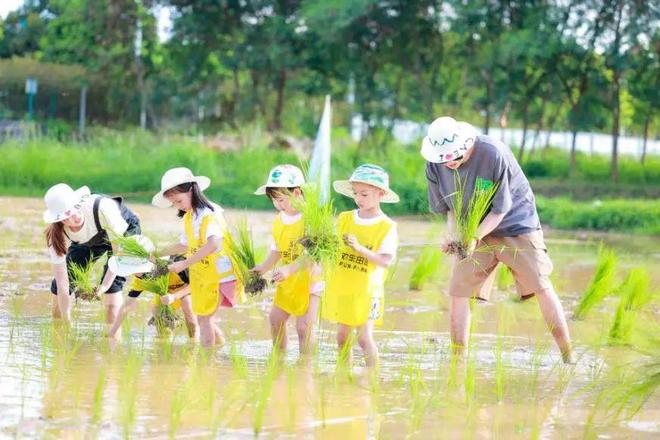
x: 80, y: 225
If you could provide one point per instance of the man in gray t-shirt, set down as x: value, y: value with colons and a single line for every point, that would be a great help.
x: 510, y: 233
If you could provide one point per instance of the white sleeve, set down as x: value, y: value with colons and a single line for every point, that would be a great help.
x: 110, y: 217
x: 390, y: 242
x: 54, y: 258
x: 183, y: 239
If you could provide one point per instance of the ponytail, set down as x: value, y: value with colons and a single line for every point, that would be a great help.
x: 55, y: 237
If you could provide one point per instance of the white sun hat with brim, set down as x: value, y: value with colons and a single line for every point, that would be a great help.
x: 282, y: 176
x: 62, y: 202
x: 175, y: 177
x: 124, y: 265
x: 447, y: 139
x: 371, y: 175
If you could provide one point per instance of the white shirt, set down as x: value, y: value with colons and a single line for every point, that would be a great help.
x: 214, y: 228
x: 109, y: 217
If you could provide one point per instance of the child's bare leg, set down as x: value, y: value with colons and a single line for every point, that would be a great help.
x: 191, y: 320
x: 55, y: 308
x: 278, y: 319
x: 344, y: 333
x: 219, y: 336
x: 459, y: 327
x: 305, y: 326
x: 206, y: 330
x: 126, y: 307
x: 367, y: 343
x: 112, y: 302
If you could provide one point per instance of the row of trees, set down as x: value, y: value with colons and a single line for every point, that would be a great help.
x: 540, y: 65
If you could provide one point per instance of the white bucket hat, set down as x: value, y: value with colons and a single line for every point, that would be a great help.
x: 371, y: 175
x: 124, y: 266
x: 282, y: 176
x: 447, y: 140
x: 175, y: 177
x: 62, y: 202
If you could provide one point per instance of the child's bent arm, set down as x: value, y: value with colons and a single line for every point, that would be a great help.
x: 383, y: 260
x: 489, y: 224
x: 174, y: 249
x: 181, y: 292
x: 270, y: 261
x: 213, y: 244
x: 108, y: 279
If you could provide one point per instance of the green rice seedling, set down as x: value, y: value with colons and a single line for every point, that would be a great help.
x: 97, y: 406
x: 469, y: 215
x: 291, y: 385
x: 128, y: 392
x: 131, y: 247
x: 165, y: 318
x: 601, y: 284
x: 426, y: 267
x: 241, y: 250
x: 238, y: 361
x: 634, y: 293
x: 504, y: 277
x: 321, y: 241
x: 81, y: 279
x: 264, y: 390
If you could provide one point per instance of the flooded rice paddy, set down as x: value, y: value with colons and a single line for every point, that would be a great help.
x: 75, y: 384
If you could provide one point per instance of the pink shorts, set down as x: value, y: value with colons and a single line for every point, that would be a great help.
x: 228, y: 293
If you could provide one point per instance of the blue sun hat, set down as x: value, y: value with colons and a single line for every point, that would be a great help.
x: 447, y: 139
x: 371, y: 175
x: 282, y: 176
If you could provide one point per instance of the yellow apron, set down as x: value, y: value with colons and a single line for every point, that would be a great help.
x: 292, y: 294
x: 355, y: 280
x: 174, y: 283
x: 204, y: 276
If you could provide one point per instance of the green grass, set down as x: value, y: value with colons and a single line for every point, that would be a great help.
x: 504, y: 278
x: 635, y: 294
x: 235, y: 174
x: 321, y: 242
x: 601, y: 285
x: 468, y: 215
x: 425, y: 268
x: 241, y: 251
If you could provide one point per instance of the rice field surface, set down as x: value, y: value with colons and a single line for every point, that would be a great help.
x: 512, y: 383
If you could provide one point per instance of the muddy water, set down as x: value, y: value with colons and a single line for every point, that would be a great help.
x: 74, y: 384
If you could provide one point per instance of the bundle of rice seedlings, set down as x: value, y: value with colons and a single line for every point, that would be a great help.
x: 165, y: 317
x: 601, y: 284
x: 81, y: 279
x: 504, y: 277
x: 468, y: 217
x: 426, y: 266
x: 240, y: 248
x: 131, y: 247
x: 634, y: 294
x: 321, y: 241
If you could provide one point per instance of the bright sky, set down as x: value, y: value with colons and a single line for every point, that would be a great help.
x: 6, y: 6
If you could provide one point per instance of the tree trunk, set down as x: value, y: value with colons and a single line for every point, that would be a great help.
x: 279, y: 103
x: 573, y: 154
x: 616, y: 119
x: 521, y: 152
x: 646, y: 136
x: 539, y: 126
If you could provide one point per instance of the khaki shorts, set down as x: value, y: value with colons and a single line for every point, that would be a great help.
x: 526, y: 255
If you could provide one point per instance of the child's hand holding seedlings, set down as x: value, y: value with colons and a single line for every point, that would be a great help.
x: 282, y: 273
x: 352, y: 242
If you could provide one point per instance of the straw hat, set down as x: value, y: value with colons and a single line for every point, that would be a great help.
x: 447, y: 140
x: 371, y: 175
x: 123, y: 265
x: 62, y: 202
x: 282, y: 176
x: 175, y: 177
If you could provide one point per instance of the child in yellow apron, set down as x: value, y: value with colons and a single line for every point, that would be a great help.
x: 354, y: 296
x: 212, y: 279
x: 298, y: 288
